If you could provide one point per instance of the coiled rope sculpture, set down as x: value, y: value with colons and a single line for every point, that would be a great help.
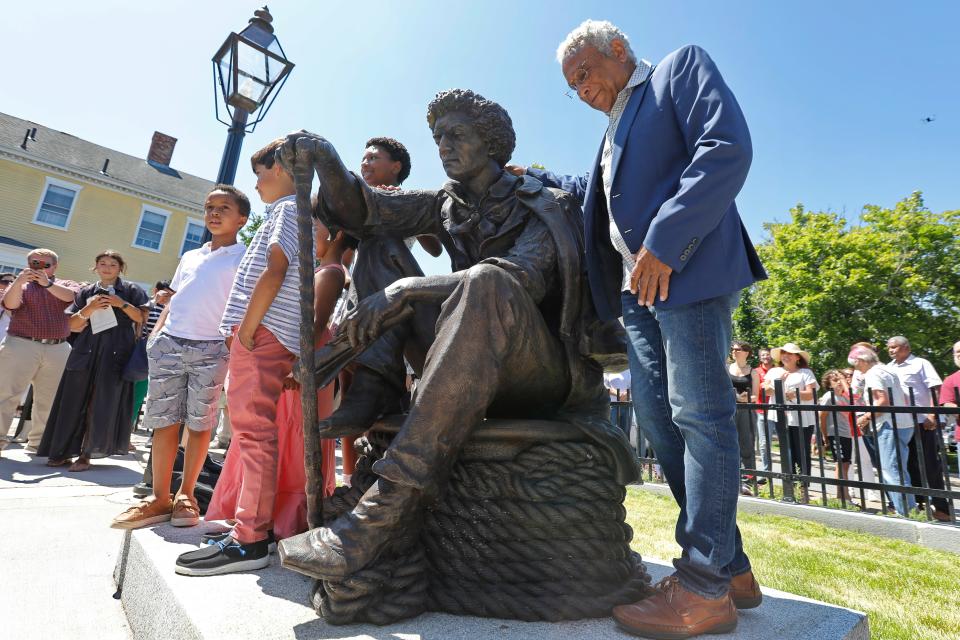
x: 526, y: 530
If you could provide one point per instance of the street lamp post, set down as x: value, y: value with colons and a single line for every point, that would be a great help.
x: 249, y: 69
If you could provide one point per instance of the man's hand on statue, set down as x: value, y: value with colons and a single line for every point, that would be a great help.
x: 516, y: 169
x: 648, y: 276
x: 366, y: 323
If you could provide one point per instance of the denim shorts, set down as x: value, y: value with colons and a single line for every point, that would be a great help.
x: 186, y: 377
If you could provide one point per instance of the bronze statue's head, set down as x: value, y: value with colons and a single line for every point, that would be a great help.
x: 488, y: 120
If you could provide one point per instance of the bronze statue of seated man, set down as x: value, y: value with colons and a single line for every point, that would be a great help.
x: 510, y: 333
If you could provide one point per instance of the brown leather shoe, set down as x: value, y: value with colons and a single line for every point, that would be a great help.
x: 673, y: 613
x: 940, y: 516
x: 745, y: 591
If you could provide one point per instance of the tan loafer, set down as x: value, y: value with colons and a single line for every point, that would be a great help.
x: 143, y: 515
x: 186, y: 511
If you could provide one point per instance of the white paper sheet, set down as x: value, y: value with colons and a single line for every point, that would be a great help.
x: 102, y: 319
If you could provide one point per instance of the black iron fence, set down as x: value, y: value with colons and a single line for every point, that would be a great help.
x: 802, y: 449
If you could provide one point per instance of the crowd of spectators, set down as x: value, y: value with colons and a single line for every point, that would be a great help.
x: 863, y: 445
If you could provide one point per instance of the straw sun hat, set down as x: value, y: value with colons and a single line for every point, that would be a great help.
x: 790, y: 348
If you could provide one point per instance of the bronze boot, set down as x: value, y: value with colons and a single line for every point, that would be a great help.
x: 370, y: 396
x: 387, y: 513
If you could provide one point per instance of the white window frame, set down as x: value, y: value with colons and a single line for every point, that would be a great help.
x: 76, y: 188
x: 186, y: 229
x: 166, y: 224
x: 14, y: 256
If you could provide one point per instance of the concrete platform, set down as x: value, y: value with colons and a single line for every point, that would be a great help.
x: 271, y: 603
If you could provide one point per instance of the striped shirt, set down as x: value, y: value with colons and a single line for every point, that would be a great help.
x: 152, y: 316
x: 640, y: 75
x: 283, y: 317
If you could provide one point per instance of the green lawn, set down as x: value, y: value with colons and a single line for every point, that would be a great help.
x: 908, y: 591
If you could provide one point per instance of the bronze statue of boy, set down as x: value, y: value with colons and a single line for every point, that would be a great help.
x: 510, y: 333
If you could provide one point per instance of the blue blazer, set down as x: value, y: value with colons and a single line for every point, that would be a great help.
x: 680, y: 156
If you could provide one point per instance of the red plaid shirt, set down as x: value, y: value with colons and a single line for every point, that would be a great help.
x: 41, y: 314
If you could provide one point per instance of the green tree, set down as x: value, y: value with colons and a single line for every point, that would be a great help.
x: 832, y: 283
x: 250, y: 229
x: 747, y: 323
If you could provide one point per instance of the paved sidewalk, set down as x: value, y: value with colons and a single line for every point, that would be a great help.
x: 59, y: 550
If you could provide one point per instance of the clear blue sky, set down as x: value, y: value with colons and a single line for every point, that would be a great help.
x: 834, y: 92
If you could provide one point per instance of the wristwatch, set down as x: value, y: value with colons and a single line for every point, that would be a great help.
x: 125, y: 305
x: 48, y: 285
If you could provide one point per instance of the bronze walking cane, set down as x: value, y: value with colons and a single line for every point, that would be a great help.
x: 312, y: 458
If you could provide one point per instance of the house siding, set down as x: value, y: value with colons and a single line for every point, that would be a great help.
x: 102, y: 219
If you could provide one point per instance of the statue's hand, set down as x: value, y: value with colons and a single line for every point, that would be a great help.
x: 375, y: 313
x: 300, y: 151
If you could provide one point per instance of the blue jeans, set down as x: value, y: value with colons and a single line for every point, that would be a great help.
x: 887, y: 445
x: 765, y: 427
x: 685, y: 405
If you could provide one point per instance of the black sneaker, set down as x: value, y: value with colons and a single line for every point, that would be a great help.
x: 219, y: 536
x: 142, y: 490
x: 226, y: 556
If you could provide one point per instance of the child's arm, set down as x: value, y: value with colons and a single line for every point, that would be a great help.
x: 264, y: 292
x: 327, y: 285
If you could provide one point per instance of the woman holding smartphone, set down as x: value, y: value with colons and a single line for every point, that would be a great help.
x: 91, y: 414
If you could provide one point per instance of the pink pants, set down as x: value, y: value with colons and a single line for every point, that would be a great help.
x: 256, y: 381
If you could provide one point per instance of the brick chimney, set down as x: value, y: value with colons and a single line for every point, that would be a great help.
x: 161, y: 148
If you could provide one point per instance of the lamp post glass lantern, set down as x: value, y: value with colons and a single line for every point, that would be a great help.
x: 250, y: 65
x: 249, y: 69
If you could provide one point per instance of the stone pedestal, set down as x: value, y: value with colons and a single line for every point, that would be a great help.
x: 272, y: 604
x: 530, y: 526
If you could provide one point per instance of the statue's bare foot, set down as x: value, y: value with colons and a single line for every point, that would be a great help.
x: 370, y: 395
x: 387, y: 513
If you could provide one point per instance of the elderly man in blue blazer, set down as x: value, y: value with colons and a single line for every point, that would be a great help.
x: 667, y: 251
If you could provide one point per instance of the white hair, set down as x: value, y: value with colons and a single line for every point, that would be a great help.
x: 900, y: 341
x: 867, y: 355
x: 598, y: 33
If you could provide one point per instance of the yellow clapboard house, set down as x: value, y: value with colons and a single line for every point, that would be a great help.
x: 79, y: 198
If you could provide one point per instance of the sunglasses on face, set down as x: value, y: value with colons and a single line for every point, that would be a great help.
x: 37, y: 264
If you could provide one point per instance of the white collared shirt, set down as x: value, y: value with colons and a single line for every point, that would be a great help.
x: 917, y: 374
x: 202, y: 283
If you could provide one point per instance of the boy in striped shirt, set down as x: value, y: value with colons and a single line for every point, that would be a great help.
x: 261, y: 324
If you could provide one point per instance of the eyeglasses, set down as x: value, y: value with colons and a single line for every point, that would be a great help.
x: 37, y: 264
x: 579, y: 77
x: 737, y: 349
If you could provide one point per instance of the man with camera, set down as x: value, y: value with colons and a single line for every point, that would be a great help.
x: 35, y: 350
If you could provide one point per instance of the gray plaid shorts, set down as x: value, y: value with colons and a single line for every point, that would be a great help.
x: 186, y: 377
